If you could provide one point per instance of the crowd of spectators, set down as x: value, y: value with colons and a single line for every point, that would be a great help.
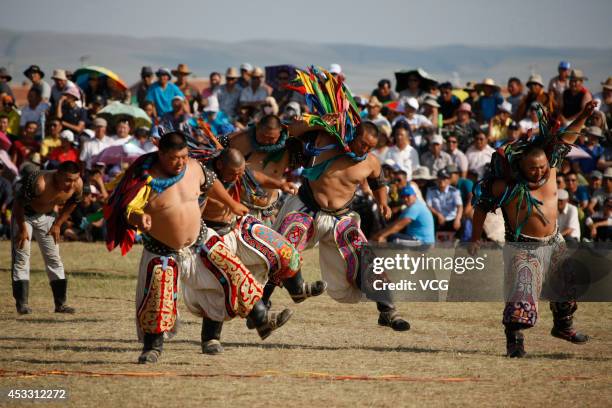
x: 436, y: 140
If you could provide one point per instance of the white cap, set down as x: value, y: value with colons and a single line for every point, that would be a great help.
x: 335, y: 69
x: 562, y: 195
x: 246, y: 66
x: 412, y: 102
x: 212, y: 105
x: 89, y: 133
x: 437, y: 139
x: 505, y: 106
x: 67, y: 135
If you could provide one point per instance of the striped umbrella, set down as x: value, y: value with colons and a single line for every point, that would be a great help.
x: 81, y: 76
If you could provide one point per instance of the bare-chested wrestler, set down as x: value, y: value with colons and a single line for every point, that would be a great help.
x: 158, y: 195
x: 264, y: 251
x: 320, y: 213
x: 38, y: 196
x: 522, y: 181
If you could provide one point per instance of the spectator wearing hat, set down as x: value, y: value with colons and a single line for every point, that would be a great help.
x: 9, y: 110
x: 401, y: 152
x: 65, y: 151
x: 444, y: 202
x: 142, y: 87
x: 559, y: 83
x: 245, y: 75
x: 465, y: 127
x: 537, y: 94
x: 430, y: 109
x: 52, y: 139
x: 256, y: 93
x: 592, y: 147
x: 219, y: 122
x: 374, y: 107
x: 34, y: 110
x: 448, y: 102
x: 178, y: 116
x: 72, y: 116
x: 489, y: 100
x: 473, y: 96
x: 498, y: 126
x: 415, y: 222
x: 600, y: 193
x: 383, y: 92
x: 600, y: 223
x: 94, y: 146
x: 418, y: 123
x: 190, y: 92
x: 567, y: 222
x: 605, y: 100
x: 293, y: 110
x: 531, y: 121
x: 479, y: 155
x: 229, y: 93
x: 36, y: 75
x: 436, y: 159
x: 575, y: 97
x: 458, y: 157
x: 5, y: 78
x: 61, y: 84
x: 513, y: 133
x: 414, y: 89
x: 516, y: 94
x: 162, y: 91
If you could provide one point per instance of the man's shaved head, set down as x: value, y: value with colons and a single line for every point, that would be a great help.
x: 231, y: 158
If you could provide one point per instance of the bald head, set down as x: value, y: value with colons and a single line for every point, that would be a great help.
x: 232, y: 158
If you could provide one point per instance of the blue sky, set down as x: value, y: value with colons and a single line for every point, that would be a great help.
x: 556, y: 23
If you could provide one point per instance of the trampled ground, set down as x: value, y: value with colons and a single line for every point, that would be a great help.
x: 327, y: 355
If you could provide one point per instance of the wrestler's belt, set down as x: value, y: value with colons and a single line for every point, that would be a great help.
x: 159, y: 248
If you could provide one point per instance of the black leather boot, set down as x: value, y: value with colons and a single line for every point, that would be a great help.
x: 21, y: 290
x: 211, y: 336
x: 389, y: 316
x: 515, y: 342
x: 563, y: 327
x: 152, y: 349
x: 300, y: 290
x: 59, y: 288
x: 265, y: 321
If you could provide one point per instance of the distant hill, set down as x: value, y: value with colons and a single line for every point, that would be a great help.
x: 363, y: 65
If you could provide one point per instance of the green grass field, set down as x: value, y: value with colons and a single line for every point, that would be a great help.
x: 328, y: 354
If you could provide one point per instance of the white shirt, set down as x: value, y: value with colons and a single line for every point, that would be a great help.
x: 527, y: 124
x: 479, y: 159
x: 460, y: 160
x: 568, y: 218
x: 147, y: 146
x: 118, y: 141
x: 92, y: 148
x: 407, y: 159
x: 417, y: 120
x: 247, y: 94
x: 33, y: 115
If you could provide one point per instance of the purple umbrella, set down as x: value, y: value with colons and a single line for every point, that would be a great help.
x: 118, y: 154
x: 578, y: 153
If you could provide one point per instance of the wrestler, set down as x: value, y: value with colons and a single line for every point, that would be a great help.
x: 158, y: 195
x: 320, y: 213
x: 522, y: 181
x: 262, y: 250
x: 38, y: 195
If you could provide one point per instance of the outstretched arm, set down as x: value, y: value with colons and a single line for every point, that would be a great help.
x: 269, y: 182
x: 574, y: 128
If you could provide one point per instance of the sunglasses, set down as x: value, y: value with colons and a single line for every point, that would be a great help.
x: 283, y: 78
x: 452, y: 141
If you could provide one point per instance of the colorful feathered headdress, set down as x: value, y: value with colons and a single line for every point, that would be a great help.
x: 326, y: 94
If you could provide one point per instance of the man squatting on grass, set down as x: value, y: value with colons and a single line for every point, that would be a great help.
x: 535, y: 250
x: 38, y: 196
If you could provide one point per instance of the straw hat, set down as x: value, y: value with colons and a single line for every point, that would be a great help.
x: 487, y: 82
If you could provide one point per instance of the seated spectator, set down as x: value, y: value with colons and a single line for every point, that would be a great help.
x: 535, y: 95
x: 5, y: 78
x: 142, y: 140
x: 515, y: 90
x: 9, y: 111
x: 4, y: 128
x: 142, y: 87
x: 423, y: 179
x: 568, y: 223
x: 558, y: 84
x: 513, y: 133
x: 402, y: 153
x: 479, y: 155
x: 26, y: 145
x: 61, y: 84
x: 489, y: 100
x: 592, y: 147
x: 498, y: 126
x: 245, y: 75
x: 600, y: 223
x: 575, y: 97
x: 229, y: 94
x: 292, y: 111
x: 415, y: 222
x: 444, y: 202
x: 578, y: 195
x: 473, y: 96
x: 600, y: 194
x: 459, y: 158
x: 244, y: 118
x: 82, y: 226
x: 34, y: 110
x: 284, y: 96
x: 52, y: 140
x: 414, y: 89
x: 149, y: 108
x: 465, y: 128
x: 162, y: 92
x: 178, y: 116
x: 465, y: 187
x: 419, y: 124
x: 72, y: 116
x: 436, y: 159
x: 374, y: 107
x: 256, y: 93
x: 218, y: 121
x: 448, y: 102
x: 531, y: 121
x: 96, y: 89
x: 66, y: 150
x: 122, y: 133
x: 190, y: 92
x: 605, y: 98
x: 94, y: 146
x: 383, y: 92
x: 430, y: 109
